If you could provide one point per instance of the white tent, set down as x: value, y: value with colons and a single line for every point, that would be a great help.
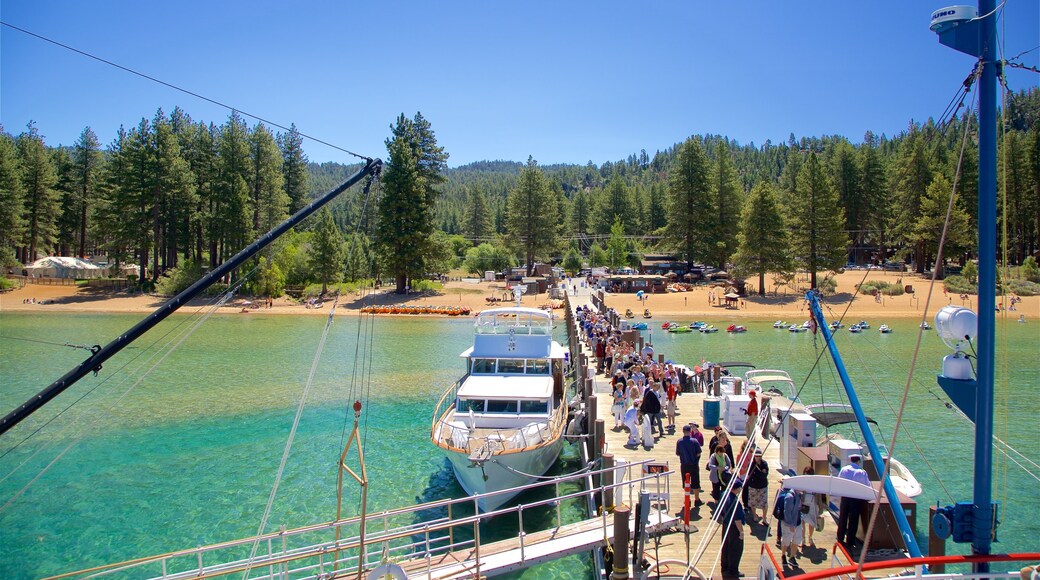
x: 63, y: 267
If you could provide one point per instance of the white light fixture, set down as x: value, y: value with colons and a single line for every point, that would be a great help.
x: 957, y: 327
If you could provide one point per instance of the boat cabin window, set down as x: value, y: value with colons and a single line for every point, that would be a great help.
x: 467, y: 405
x: 507, y: 365
x: 540, y: 407
x: 538, y: 366
x: 501, y: 406
x: 483, y: 366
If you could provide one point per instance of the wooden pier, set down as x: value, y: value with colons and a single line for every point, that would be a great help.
x: 759, y: 539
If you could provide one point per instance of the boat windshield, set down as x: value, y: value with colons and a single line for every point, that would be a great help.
x: 488, y: 366
x: 511, y: 406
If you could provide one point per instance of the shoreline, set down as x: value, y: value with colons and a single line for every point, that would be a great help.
x: 693, y: 304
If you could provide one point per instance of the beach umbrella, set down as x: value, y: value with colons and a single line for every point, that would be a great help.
x: 639, y: 294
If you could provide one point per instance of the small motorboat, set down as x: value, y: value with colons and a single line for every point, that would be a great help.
x: 678, y: 328
x: 698, y: 325
x: 863, y: 325
x: 646, y: 313
x: 885, y: 329
x: 806, y: 325
x: 796, y: 328
x: 836, y: 325
x: 669, y: 325
x: 708, y: 329
x: 736, y: 328
x: 926, y: 326
x: 628, y: 313
x: 779, y: 324
x: 855, y: 329
x: 638, y: 326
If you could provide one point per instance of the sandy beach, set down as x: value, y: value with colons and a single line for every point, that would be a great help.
x: 788, y: 305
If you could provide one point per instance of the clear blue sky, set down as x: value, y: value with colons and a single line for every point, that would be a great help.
x: 562, y: 81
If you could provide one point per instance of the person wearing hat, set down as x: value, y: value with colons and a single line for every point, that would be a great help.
x: 689, y: 452
x: 752, y: 414
x: 851, y: 508
x: 730, y: 517
x: 758, y: 486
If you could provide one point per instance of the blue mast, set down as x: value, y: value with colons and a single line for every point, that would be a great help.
x: 978, y: 37
x: 905, y: 530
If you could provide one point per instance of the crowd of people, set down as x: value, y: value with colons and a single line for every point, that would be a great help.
x: 644, y: 395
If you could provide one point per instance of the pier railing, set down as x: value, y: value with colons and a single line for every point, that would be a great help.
x: 414, y: 535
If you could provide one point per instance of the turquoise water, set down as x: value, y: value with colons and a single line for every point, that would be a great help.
x: 188, y: 456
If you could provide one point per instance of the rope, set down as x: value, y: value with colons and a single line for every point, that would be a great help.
x: 177, y: 88
x: 68, y: 344
x: 1003, y: 401
x: 289, y: 441
x: 920, y: 336
x: 588, y: 466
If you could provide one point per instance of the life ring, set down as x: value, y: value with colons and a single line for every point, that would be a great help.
x: 388, y: 569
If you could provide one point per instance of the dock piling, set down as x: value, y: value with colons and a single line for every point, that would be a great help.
x: 621, y: 516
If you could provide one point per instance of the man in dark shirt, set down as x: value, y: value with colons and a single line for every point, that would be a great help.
x: 689, y: 452
x: 730, y: 517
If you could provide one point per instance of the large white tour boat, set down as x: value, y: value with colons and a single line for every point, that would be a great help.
x: 501, y: 425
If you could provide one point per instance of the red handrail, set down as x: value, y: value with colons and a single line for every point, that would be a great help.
x: 769, y: 552
x: 910, y: 562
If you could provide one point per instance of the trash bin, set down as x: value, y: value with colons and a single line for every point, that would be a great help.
x: 710, y: 412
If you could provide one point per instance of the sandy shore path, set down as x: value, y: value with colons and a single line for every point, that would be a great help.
x: 788, y: 306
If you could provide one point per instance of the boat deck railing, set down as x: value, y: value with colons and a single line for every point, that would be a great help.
x: 416, y: 535
x: 455, y: 436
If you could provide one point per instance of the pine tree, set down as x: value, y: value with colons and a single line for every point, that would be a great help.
x: 11, y: 208
x: 657, y: 216
x: 617, y: 246
x: 327, y: 251
x: 68, y: 209
x: 358, y: 258
x: 36, y: 168
x: 294, y: 168
x: 762, y: 242
x: 848, y: 181
x: 478, y: 220
x: 266, y: 188
x: 818, y: 237
x: 406, y: 210
x: 613, y: 202
x: 689, y: 203
x: 727, y: 197
x: 532, y: 214
x: 913, y: 174
x: 230, y: 209
x: 928, y: 227
x: 874, y: 188
x: 87, y: 158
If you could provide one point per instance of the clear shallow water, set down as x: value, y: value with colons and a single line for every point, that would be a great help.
x: 189, y: 455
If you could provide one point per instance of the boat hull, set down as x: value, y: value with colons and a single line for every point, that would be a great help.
x: 503, y: 471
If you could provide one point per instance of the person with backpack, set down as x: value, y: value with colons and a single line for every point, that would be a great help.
x: 791, y: 523
x: 778, y: 513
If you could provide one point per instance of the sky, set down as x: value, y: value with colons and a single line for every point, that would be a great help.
x: 563, y: 81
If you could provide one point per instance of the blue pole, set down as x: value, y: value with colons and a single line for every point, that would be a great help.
x: 983, y: 508
x: 868, y: 436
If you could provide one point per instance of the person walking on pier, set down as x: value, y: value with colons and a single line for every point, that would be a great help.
x: 689, y: 452
x: 730, y: 517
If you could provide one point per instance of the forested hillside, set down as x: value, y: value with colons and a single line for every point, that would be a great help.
x: 170, y: 191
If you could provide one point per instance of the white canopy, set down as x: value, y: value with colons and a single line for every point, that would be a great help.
x: 63, y: 267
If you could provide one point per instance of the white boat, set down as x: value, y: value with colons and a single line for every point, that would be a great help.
x: 926, y: 326
x: 501, y: 425
x: 864, y: 324
x: 830, y: 415
x: 707, y: 329
x: 855, y: 329
x: 780, y: 324
x: 796, y: 328
x: 772, y: 381
x: 885, y: 329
